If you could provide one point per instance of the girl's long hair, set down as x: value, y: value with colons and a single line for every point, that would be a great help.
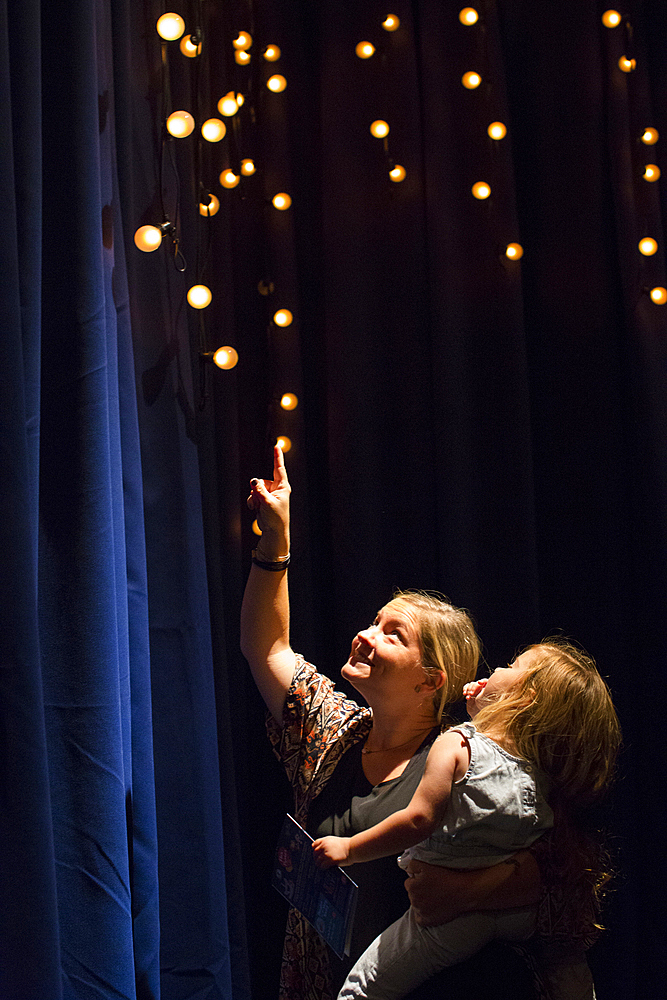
x: 560, y: 716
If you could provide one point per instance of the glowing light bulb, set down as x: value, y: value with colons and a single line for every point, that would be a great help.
x: 248, y: 167
x: 391, y: 23
x: 242, y: 57
x: 658, y: 295
x: 281, y: 201
x: 225, y: 357
x: 228, y: 105
x: 276, y: 83
x: 397, y: 173
x: 210, y: 206
x: 188, y: 47
x: 170, y: 27
x: 650, y: 136
x: 627, y: 65
x: 289, y: 401
x: 514, y: 251
x: 648, y: 246
x: 229, y: 179
x: 271, y: 53
x: 471, y: 80
x: 243, y: 40
x: 180, y: 124
x: 651, y: 172
x: 497, y: 130
x: 256, y: 528
x: 283, y: 317
x: 468, y: 16
x: 365, y: 50
x: 611, y: 18
x: 481, y: 190
x: 379, y: 129
x: 214, y: 130
x: 284, y: 442
x: 148, y: 238
x: 199, y: 296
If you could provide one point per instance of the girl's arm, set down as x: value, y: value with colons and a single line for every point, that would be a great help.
x: 447, y: 758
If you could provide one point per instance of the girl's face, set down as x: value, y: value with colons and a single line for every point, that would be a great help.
x: 483, y: 692
x: 386, y: 656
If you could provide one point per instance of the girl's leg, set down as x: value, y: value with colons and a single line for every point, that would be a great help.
x: 405, y: 955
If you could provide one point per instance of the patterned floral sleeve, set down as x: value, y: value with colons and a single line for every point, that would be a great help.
x: 319, y: 725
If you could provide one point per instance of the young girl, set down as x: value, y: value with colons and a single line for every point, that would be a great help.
x: 543, y: 744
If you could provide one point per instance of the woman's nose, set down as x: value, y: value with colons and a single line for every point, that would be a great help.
x: 366, y: 635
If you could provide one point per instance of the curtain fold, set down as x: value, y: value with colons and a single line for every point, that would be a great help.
x: 108, y: 889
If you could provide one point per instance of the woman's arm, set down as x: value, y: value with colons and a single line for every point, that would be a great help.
x: 448, y: 756
x: 265, y: 610
x: 437, y: 895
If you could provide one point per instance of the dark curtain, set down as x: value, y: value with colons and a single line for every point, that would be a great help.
x: 111, y: 859
x: 490, y: 428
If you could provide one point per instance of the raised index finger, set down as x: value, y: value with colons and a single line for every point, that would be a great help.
x: 279, y: 471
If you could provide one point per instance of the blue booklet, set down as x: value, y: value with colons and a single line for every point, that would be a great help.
x: 326, y: 898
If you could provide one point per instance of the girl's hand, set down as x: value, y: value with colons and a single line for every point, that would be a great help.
x: 474, y: 688
x: 269, y: 498
x: 330, y: 851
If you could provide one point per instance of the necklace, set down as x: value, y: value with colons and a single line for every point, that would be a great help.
x: 400, y: 745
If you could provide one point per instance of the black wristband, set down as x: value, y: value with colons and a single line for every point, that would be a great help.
x: 275, y: 567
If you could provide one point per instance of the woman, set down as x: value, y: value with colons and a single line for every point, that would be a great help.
x: 350, y: 765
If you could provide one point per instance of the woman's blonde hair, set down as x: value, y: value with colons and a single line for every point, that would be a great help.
x: 448, y: 640
x: 560, y: 716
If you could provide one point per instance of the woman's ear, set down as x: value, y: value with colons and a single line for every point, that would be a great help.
x: 434, y: 679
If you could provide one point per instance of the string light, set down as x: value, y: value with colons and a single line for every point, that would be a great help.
x: 497, y: 130
x: 391, y: 23
x: 611, y: 18
x: 365, y: 50
x: 229, y: 179
x: 481, y: 190
x: 256, y: 528
x: 225, y: 357
x: 180, y: 124
x: 379, y: 129
x: 199, y: 296
x: 214, y: 130
x: 209, y: 207
x: 276, y: 83
x: 242, y: 57
x: 658, y: 295
x: 283, y: 317
x: 289, y: 401
x: 188, y: 47
x: 148, y: 238
x: 650, y: 136
x: 514, y: 251
x: 284, y: 443
x: 397, y: 173
x: 627, y: 65
x: 170, y: 27
x: 243, y: 40
x: 228, y: 105
x: 468, y: 16
x: 281, y: 201
x: 648, y: 246
x: 471, y: 80
x: 248, y: 167
x: 651, y: 172
x: 271, y: 53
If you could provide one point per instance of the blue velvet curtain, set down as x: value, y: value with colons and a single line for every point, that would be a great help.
x: 111, y: 846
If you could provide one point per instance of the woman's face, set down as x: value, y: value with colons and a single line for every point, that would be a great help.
x: 386, y: 656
